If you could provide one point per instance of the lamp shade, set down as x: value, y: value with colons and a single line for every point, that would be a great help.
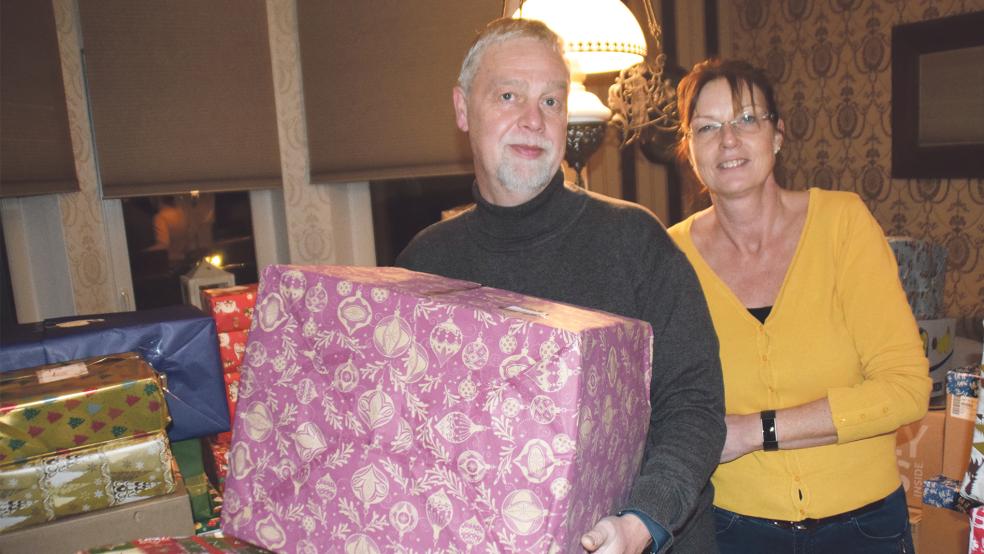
x: 600, y: 36
x: 585, y: 107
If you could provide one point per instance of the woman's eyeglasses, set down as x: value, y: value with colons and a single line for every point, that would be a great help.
x: 745, y: 124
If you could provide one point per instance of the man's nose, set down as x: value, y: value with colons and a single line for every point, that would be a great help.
x: 532, y: 117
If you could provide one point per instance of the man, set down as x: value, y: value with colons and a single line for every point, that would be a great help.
x: 531, y: 233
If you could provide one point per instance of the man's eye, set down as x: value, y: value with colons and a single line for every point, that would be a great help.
x: 552, y: 102
x: 506, y: 96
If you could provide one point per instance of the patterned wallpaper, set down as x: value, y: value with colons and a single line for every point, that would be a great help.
x: 81, y: 212
x: 831, y: 61
x: 309, y: 224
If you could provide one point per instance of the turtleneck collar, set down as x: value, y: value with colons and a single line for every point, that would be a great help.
x: 546, y: 215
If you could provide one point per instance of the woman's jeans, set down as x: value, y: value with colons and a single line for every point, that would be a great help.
x: 880, y: 527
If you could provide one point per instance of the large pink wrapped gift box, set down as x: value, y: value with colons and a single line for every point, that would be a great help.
x: 381, y: 408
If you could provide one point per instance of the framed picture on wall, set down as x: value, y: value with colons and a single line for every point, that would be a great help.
x: 938, y: 98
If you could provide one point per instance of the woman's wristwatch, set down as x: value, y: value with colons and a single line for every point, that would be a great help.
x: 770, y: 442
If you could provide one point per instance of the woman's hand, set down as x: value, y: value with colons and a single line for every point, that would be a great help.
x: 802, y: 426
x: 744, y: 436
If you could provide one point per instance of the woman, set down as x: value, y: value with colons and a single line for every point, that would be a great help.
x: 821, y: 355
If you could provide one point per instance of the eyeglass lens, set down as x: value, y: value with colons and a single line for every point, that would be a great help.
x: 745, y: 123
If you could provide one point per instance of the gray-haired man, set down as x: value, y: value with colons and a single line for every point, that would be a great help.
x: 531, y: 233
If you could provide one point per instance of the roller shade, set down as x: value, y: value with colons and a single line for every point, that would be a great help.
x: 377, y: 86
x: 182, y: 95
x: 35, y: 142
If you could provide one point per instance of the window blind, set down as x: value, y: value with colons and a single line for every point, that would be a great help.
x: 377, y: 86
x: 182, y: 95
x: 35, y: 142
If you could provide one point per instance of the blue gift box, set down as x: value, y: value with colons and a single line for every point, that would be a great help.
x: 963, y: 381
x: 178, y: 341
x: 943, y: 492
x: 922, y: 270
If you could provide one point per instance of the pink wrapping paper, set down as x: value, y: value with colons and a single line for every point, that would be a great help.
x: 380, y: 407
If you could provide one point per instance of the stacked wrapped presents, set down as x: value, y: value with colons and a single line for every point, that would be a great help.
x: 382, y: 407
x: 232, y: 310
x: 939, y: 456
x: 79, y: 438
x: 97, y: 413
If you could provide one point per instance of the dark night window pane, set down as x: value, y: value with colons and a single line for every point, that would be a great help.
x: 167, y: 235
x: 401, y: 208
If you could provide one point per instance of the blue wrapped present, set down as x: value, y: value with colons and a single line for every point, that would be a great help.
x: 178, y: 341
x: 963, y: 381
x: 922, y: 270
x: 943, y: 492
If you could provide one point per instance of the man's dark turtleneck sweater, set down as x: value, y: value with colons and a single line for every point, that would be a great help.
x: 582, y: 248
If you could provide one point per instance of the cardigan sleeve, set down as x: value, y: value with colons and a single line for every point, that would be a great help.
x: 896, y: 385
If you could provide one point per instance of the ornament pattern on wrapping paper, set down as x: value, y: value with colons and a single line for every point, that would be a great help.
x: 475, y: 354
x: 293, y: 285
x: 392, y: 335
x: 445, y: 340
x: 316, y: 298
x: 373, y: 414
x: 270, y: 312
x: 354, y: 313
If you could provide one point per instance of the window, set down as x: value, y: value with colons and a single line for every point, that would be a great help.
x: 401, y: 208
x: 168, y: 235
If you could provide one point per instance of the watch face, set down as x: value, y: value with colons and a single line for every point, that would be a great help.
x: 770, y: 442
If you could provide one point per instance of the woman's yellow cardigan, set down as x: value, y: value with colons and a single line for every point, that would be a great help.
x: 841, y: 328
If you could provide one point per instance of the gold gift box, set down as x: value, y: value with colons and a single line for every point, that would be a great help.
x: 63, y: 406
x: 117, y: 472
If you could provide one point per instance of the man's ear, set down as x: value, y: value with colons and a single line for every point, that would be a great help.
x: 460, y: 108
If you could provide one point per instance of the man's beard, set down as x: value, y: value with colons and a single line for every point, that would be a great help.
x: 521, y: 175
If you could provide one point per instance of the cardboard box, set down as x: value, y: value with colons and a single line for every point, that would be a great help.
x: 168, y: 515
x: 915, y: 520
x: 919, y: 447
x: 943, y: 531
x: 380, y: 406
x: 961, y: 414
x: 230, y: 307
x: 73, y: 404
x: 938, y: 341
x: 85, y: 479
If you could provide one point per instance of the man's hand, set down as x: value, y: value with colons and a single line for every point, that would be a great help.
x: 617, y: 535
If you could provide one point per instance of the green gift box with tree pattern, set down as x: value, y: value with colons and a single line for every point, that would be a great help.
x: 56, y: 407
